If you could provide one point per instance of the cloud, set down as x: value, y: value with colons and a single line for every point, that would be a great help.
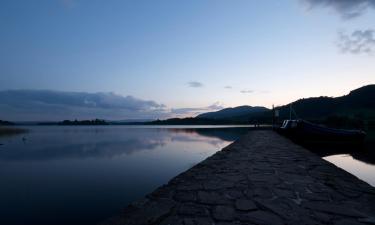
x: 247, y: 91
x: 346, y: 8
x: 57, y: 105
x: 194, y: 111
x: 228, y: 87
x: 195, y: 84
x: 357, y: 42
x: 215, y: 106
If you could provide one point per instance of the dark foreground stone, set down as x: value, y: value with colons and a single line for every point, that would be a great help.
x: 262, y: 178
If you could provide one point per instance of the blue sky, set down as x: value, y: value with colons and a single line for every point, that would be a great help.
x: 187, y: 56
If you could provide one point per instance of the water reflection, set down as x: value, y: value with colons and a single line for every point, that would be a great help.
x: 357, y: 160
x: 364, y: 153
x: 363, y: 171
x: 82, y: 142
x: 228, y: 134
x: 81, y: 175
x: 105, y: 149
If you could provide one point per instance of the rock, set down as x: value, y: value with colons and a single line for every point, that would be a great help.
x: 225, y: 213
x: 172, y: 220
x: 287, y: 193
x: 262, y: 192
x: 346, y: 222
x: 185, y: 196
x: 233, y: 194
x: 323, y: 217
x: 245, y: 205
x: 189, y: 187
x: 192, y: 209
x: 217, y: 185
x: 334, y: 209
x: 198, y: 221
x: 228, y: 223
x: 283, y: 207
x: 261, y: 218
x: 211, y: 198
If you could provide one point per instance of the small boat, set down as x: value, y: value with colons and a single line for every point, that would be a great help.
x: 307, y: 132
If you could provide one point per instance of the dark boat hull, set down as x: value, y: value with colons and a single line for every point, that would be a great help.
x: 310, y: 133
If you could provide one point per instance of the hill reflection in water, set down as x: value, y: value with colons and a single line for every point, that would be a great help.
x: 85, y: 174
x: 54, y: 143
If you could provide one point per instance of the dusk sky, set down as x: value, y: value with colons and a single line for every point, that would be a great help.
x: 127, y: 59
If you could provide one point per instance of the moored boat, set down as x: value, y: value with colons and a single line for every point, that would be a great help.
x: 304, y: 131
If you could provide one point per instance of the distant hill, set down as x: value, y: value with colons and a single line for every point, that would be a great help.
x: 192, y: 121
x: 6, y: 123
x: 83, y: 122
x: 350, y: 110
x: 237, y: 113
x: 355, y: 109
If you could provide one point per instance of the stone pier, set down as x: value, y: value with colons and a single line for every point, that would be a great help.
x: 263, y: 178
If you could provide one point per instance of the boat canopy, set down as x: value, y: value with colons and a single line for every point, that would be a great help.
x: 289, y: 124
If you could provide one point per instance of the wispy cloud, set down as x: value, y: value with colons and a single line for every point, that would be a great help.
x: 346, y: 8
x: 195, y: 84
x: 250, y: 91
x: 247, y: 91
x: 359, y: 41
x: 228, y: 87
x: 57, y: 105
x: 48, y: 105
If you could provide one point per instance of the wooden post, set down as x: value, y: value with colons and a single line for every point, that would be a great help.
x: 273, y: 116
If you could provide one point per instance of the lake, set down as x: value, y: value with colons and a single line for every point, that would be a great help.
x: 84, y: 174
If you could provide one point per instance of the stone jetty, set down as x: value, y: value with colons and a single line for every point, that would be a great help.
x: 263, y: 178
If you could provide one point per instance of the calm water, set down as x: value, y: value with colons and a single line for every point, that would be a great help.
x: 361, y: 169
x: 82, y: 175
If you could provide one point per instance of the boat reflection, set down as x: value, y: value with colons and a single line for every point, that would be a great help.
x: 363, y: 153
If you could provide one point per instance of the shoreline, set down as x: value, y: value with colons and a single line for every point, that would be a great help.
x: 11, y: 130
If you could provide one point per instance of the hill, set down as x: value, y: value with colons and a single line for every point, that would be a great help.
x: 358, y: 103
x: 236, y: 113
x: 352, y: 110
x: 83, y: 122
x: 192, y: 121
x: 5, y: 123
x: 355, y: 110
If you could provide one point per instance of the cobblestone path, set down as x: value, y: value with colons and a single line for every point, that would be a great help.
x: 263, y: 178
